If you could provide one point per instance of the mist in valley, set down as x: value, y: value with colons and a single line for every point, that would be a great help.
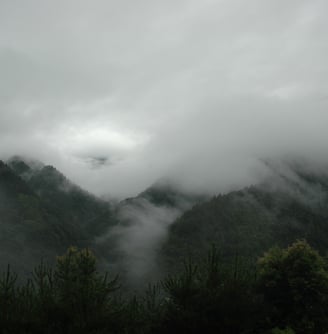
x: 213, y: 96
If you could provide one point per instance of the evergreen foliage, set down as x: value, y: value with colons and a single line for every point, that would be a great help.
x: 42, y: 213
x: 294, y: 282
x: 246, y: 223
x: 286, y: 293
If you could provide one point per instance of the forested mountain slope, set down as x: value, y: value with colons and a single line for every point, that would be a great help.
x: 65, y: 199
x: 42, y: 213
x: 28, y: 230
x: 291, y: 204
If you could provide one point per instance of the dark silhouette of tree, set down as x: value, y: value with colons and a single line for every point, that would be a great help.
x: 210, y: 297
x: 294, y: 283
x: 83, y: 295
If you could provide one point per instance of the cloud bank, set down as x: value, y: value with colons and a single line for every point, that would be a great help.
x: 142, y: 230
x: 120, y: 94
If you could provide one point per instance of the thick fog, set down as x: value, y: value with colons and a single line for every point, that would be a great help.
x: 118, y: 94
x: 139, y: 236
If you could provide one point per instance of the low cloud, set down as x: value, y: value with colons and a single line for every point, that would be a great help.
x: 193, y: 91
x: 140, y: 234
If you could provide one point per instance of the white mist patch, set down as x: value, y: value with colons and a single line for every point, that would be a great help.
x: 304, y: 180
x: 143, y: 229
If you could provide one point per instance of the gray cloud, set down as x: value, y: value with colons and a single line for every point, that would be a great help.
x: 142, y: 230
x: 195, y: 90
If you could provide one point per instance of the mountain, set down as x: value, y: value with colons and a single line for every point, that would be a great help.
x: 164, y: 193
x: 69, y: 215
x: 64, y: 199
x: 132, y: 244
x: 290, y: 204
x: 42, y: 213
x: 28, y: 231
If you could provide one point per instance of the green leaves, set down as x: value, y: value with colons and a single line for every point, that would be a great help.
x: 82, y: 292
x: 294, y: 282
x: 290, y: 296
x: 72, y: 297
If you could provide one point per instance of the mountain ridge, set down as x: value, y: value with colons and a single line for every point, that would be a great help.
x: 291, y: 204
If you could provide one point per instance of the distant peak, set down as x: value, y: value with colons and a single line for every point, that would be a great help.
x: 33, y: 164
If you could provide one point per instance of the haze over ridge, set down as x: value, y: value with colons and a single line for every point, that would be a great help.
x: 119, y: 95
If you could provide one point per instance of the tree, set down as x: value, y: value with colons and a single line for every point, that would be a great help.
x: 83, y: 295
x: 211, y: 297
x: 294, y: 284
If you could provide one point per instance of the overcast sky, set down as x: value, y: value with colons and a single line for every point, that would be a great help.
x: 118, y: 94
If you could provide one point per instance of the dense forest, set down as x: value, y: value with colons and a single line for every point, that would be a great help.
x: 286, y: 292
x: 248, y: 261
x: 293, y: 204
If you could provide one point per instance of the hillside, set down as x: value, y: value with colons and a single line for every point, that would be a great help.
x: 290, y: 205
x: 65, y: 199
x: 60, y: 214
x: 131, y: 246
x: 42, y: 213
x: 28, y: 231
